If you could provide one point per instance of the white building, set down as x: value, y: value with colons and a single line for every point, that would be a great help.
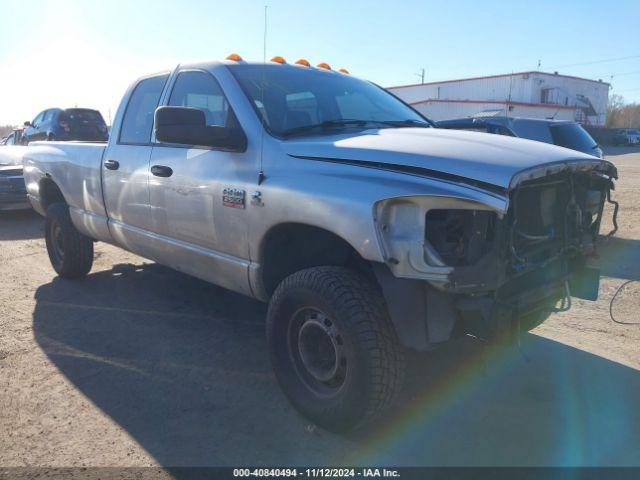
x: 525, y: 94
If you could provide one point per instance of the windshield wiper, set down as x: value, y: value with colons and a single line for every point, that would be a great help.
x: 406, y: 123
x: 345, y: 122
x: 326, y: 124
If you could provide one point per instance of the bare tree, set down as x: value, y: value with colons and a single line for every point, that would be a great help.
x: 621, y: 114
x: 5, y: 130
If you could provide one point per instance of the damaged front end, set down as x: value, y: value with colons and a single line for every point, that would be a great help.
x: 492, y: 271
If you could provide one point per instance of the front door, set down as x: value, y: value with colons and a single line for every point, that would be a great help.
x: 203, y: 234
x: 125, y: 167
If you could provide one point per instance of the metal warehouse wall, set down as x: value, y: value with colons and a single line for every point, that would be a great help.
x: 522, y: 87
x: 518, y: 88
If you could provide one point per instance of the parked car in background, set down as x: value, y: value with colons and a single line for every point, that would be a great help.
x: 14, y: 138
x: 558, y: 132
x: 13, y: 193
x: 627, y: 136
x: 70, y: 124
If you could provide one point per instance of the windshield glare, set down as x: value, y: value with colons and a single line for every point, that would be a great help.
x: 299, y: 97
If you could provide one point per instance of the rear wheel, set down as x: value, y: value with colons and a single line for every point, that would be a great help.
x: 70, y: 252
x: 333, y: 348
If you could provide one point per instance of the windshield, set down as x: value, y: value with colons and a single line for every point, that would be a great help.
x: 572, y: 135
x: 302, y: 100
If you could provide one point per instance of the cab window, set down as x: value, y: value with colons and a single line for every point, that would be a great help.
x: 196, y: 89
x: 138, y: 117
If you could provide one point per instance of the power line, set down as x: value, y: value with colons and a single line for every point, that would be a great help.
x: 598, y: 61
x: 626, y: 73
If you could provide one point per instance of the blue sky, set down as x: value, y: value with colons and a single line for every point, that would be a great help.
x: 72, y: 52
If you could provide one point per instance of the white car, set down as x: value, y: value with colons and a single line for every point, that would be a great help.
x: 627, y: 136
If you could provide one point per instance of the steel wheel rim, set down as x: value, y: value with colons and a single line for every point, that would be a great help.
x: 317, y: 350
x: 57, y: 241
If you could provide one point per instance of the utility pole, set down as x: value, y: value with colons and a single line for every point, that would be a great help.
x: 421, y: 75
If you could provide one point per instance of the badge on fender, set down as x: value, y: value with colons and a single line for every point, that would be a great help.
x: 233, y: 197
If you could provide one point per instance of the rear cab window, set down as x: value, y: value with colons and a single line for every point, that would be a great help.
x: 82, y: 116
x: 83, y: 123
x: 137, y: 122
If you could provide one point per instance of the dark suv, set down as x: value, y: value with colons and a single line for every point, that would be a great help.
x: 559, y: 132
x: 70, y: 124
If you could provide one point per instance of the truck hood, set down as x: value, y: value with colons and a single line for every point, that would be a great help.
x: 484, y: 159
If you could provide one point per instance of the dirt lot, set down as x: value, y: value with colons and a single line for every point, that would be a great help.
x: 139, y: 365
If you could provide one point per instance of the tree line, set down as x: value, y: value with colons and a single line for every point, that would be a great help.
x: 621, y: 114
x: 5, y: 130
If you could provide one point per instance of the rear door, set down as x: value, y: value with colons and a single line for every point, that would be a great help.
x: 125, y: 168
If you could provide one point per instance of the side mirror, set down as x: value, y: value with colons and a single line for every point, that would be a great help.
x: 188, y: 126
x: 27, y: 124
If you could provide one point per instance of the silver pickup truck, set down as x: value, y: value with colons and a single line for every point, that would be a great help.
x: 368, y: 231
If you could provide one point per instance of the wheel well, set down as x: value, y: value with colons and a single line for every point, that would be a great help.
x: 291, y: 247
x: 50, y: 193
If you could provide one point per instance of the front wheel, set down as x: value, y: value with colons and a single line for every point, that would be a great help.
x: 70, y: 252
x: 333, y: 348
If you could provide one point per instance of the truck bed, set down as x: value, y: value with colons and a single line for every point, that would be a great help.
x: 68, y: 164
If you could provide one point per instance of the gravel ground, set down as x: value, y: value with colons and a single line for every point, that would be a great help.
x: 138, y: 365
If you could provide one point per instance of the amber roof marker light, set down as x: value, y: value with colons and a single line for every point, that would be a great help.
x: 324, y: 65
x: 279, y: 59
x: 344, y: 70
x: 234, y: 57
x: 303, y: 62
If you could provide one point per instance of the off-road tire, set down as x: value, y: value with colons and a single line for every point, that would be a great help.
x: 70, y: 252
x: 373, y: 359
